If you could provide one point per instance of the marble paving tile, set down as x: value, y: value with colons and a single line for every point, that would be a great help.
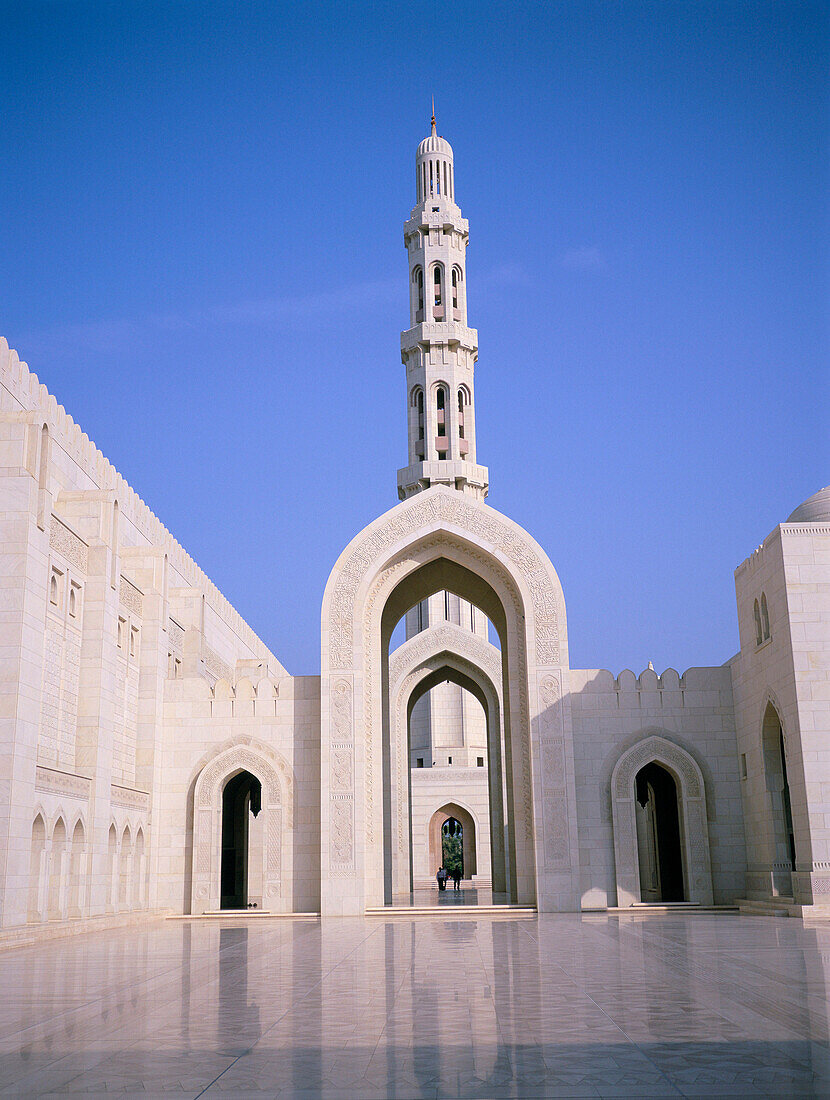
x: 356, y: 1009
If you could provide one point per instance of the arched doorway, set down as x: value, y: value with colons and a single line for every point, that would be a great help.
x: 442, y: 541
x: 452, y: 839
x: 653, y: 780
x: 658, y: 835
x: 240, y: 857
x: 241, y: 805
x: 781, y: 833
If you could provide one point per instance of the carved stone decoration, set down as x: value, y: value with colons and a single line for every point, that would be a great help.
x: 556, y: 830
x: 51, y: 781
x: 691, y: 799
x: 129, y: 798
x: 341, y: 711
x: 445, y: 636
x: 274, y: 842
x: 130, y: 597
x: 341, y: 840
x: 217, y: 668
x: 175, y: 635
x: 277, y: 807
x: 341, y: 777
x: 203, y: 848
x: 68, y: 545
x: 484, y: 524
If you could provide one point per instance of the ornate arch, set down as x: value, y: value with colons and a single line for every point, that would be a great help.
x: 441, y: 525
x: 270, y: 769
x: 691, y: 796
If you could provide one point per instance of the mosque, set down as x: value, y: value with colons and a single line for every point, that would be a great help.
x: 158, y: 758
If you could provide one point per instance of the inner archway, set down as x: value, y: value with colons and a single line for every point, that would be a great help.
x: 658, y: 835
x: 436, y: 576
x: 241, y: 841
x: 415, y: 846
x: 452, y: 837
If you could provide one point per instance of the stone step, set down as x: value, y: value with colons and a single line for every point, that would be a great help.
x: 769, y: 907
x: 643, y: 909
x: 451, y: 912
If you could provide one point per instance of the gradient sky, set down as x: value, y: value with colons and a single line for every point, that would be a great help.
x: 202, y: 209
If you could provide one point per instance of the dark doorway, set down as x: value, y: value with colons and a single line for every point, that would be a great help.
x: 786, y: 803
x: 452, y: 846
x: 658, y: 836
x: 241, y: 797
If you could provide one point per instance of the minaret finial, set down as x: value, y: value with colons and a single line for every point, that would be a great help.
x: 433, y: 114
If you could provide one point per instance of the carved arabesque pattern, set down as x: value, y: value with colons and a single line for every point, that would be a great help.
x: 450, y: 637
x: 485, y: 527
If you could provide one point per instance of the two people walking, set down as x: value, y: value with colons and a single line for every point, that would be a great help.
x: 443, y: 874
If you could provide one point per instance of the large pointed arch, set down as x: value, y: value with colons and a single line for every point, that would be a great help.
x: 443, y: 540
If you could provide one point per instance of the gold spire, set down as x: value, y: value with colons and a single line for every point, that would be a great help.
x: 433, y: 114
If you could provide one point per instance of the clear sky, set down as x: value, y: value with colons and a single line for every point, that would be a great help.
x: 202, y: 209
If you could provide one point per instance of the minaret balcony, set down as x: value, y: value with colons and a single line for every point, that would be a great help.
x: 439, y: 332
x: 447, y: 216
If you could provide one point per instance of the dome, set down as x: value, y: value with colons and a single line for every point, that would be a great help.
x: 434, y: 144
x: 815, y: 509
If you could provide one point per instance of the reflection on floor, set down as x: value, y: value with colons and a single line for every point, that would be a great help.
x: 556, y: 1005
x: 467, y: 895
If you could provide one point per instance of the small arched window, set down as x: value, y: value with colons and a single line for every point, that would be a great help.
x: 436, y: 282
x: 759, y: 634
x: 73, y: 609
x: 418, y: 277
x: 420, y: 414
x: 764, y: 617
x: 441, y: 407
x: 455, y: 288
x: 460, y: 414
x: 53, y: 590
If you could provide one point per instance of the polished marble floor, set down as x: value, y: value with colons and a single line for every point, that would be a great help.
x: 704, y: 1005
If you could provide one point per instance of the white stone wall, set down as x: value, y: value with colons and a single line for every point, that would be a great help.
x: 790, y: 669
x: 695, y: 712
x: 99, y: 606
x: 282, y: 716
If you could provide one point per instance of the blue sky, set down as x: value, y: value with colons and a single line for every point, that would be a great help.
x: 202, y: 231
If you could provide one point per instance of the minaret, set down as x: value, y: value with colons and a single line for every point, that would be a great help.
x: 438, y: 350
